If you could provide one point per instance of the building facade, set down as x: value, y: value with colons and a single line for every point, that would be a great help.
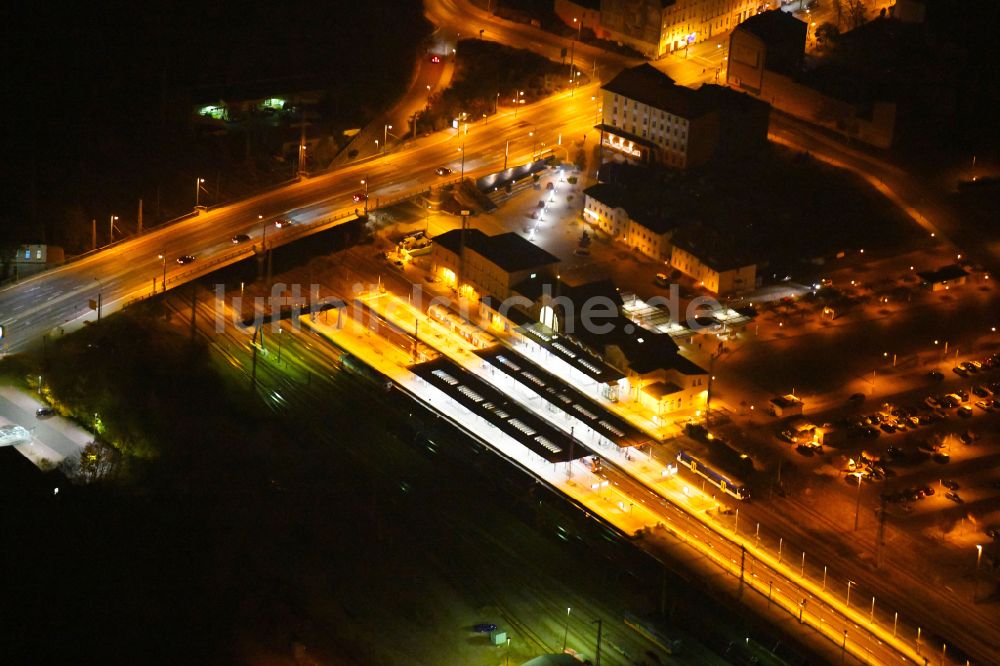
x: 604, y: 206
x: 579, y: 14
x: 658, y: 27
x: 481, y: 265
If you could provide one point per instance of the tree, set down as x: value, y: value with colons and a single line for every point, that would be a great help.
x: 838, y: 10
x: 857, y: 13
x: 826, y: 35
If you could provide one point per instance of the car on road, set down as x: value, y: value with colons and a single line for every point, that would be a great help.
x: 45, y: 412
x: 281, y: 223
x: 240, y: 238
x: 359, y: 197
x: 950, y: 484
x: 960, y: 371
x: 442, y: 171
x: 185, y: 259
x: 965, y: 411
x: 436, y: 59
x: 954, y: 498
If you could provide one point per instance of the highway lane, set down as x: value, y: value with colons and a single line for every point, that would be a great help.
x: 57, y: 300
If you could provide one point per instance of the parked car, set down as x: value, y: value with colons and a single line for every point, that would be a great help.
x: 954, y: 498
x: 950, y: 484
x: 985, y: 405
x: 484, y: 628
x: 965, y: 411
x: 935, y: 375
x: 857, y: 397
x: 932, y: 402
x: 981, y: 391
x: 972, y: 366
x: 962, y: 394
x: 960, y: 371
x: 788, y: 436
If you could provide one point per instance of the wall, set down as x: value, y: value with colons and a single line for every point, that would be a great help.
x: 809, y: 104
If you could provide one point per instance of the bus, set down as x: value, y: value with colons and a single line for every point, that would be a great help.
x: 727, y: 483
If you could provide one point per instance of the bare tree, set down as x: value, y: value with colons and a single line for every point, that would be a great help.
x: 838, y: 10
x: 857, y: 13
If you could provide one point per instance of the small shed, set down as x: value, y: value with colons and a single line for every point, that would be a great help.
x: 786, y: 405
x: 943, y: 278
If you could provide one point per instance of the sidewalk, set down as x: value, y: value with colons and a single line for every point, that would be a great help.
x: 53, y: 439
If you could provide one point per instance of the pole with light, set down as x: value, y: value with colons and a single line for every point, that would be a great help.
x: 517, y: 101
x: 385, y: 137
x: 280, y: 331
x: 566, y: 630
x: 857, y: 505
x: 462, y: 150
x: 364, y: 181
x: 111, y: 229
x: 198, y: 182
x: 163, y: 260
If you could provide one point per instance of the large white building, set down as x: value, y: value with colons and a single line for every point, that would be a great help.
x: 647, y: 118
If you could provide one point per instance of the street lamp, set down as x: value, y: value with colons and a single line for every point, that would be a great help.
x: 385, y: 137
x: 566, y: 631
x: 364, y: 181
x: 849, y: 584
x: 111, y: 229
x: 197, y: 191
x: 517, y: 101
x: 857, y: 506
x: 280, y: 331
x: 163, y: 260
x: 462, y: 150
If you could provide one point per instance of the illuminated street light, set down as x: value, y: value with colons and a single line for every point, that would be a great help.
x: 111, y: 229
x: 364, y: 181
x: 385, y: 137
x: 163, y: 260
x: 462, y: 150
x: 198, y: 182
x: 566, y: 631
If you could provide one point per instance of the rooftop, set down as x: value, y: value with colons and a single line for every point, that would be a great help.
x: 648, y: 85
x: 773, y: 25
x: 508, y: 251
x: 712, y: 248
x: 950, y: 272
